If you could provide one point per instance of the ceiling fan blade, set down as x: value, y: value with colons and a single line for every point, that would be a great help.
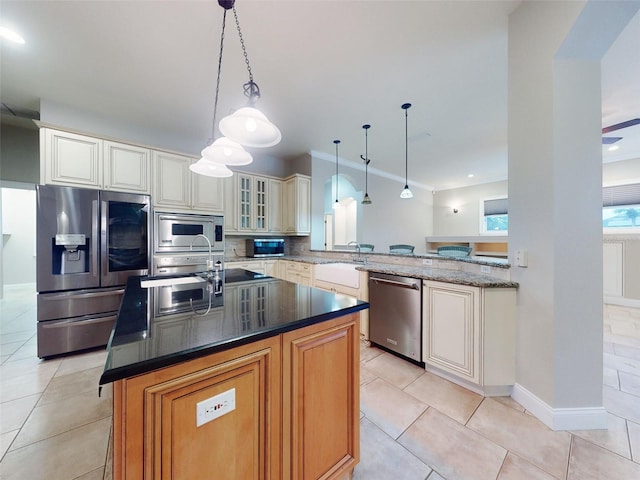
x: 618, y: 126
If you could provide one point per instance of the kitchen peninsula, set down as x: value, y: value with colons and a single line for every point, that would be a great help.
x: 248, y: 377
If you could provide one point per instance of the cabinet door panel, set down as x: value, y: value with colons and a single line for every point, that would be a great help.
x: 208, y: 193
x: 156, y: 435
x: 172, y: 180
x: 453, y: 330
x: 613, y: 269
x: 71, y: 159
x: 126, y: 168
x: 275, y: 206
x: 321, y: 392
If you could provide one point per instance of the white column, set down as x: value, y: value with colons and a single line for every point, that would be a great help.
x: 555, y: 189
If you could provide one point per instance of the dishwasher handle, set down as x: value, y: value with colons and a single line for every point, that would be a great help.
x: 394, y: 283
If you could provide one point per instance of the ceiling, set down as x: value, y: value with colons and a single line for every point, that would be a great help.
x: 325, y: 68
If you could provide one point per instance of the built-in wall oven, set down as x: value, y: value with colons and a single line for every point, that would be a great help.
x: 174, y: 233
x: 187, y: 243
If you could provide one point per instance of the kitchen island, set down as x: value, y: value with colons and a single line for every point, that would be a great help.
x: 247, y: 376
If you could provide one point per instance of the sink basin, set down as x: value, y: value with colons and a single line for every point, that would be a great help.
x: 161, y: 282
x: 339, y: 273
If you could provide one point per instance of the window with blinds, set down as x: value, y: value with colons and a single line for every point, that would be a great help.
x: 494, y: 216
x: 621, y: 206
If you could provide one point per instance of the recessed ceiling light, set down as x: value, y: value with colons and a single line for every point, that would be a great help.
x: 10, y: 35
x: 470, y: 175
x: 613, y: 148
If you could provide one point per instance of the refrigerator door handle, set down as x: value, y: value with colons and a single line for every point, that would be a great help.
x: 95, y: 243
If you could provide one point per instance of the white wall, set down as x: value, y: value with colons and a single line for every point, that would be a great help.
x: 18, y: 236
x: 387, y: 221
x: 467, y: 199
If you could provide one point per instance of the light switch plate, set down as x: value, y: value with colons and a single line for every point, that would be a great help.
x: 522, y: 258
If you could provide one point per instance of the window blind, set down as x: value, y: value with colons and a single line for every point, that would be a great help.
x: 621, y: 195
x: 498, y: 206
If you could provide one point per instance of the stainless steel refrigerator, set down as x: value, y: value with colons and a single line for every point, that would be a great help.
x: 88, y: 243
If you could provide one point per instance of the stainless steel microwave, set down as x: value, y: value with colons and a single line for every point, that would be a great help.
x: 265, y: 247
x: 182, y: 232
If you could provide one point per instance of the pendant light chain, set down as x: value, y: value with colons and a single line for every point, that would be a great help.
x: 366, y: 200
x: 251, y: 88
x: 337, y: 203
x: 215, y: 103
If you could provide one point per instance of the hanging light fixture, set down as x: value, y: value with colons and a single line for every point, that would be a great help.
x: 366, y: 200
x: 248, y: 126
x: 406, y: 193
x: 336, y: 204
x: 222, y: 151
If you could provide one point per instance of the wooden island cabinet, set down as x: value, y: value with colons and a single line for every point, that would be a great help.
x: 295, y: 388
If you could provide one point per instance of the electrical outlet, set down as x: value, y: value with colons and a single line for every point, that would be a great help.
x: 485, y: 269
x: 427, y: 261
x: 215, y: 407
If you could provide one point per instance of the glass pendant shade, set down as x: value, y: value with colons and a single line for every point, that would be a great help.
x: 366, y: 200
x: 250, y: 127
x: 210, y: 169
x: 406, y: 193
x: 227, y: 152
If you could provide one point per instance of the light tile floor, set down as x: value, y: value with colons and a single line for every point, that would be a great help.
x: 54, y: 426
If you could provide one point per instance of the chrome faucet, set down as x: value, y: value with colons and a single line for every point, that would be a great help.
x: 211, y: 271
x: 357, y: 258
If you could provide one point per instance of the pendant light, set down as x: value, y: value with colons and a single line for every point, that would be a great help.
x: 248, y: 126
x: 222, y: 151
x: 406, y: 193
x: 336, y: 204
x: 366, y: 200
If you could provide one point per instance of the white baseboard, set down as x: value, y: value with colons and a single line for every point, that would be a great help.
x: 625, y: 302
x: 586, y: 418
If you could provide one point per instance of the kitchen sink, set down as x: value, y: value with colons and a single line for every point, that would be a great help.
x: 161, y: 282
x: 338, y: 273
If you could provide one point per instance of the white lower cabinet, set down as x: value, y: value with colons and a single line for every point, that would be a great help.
x: 296, y: 272
x: 469, y: 335
x: 613, y: 269
x: 256, y: 266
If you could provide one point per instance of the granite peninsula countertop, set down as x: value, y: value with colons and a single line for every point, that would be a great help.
x: 440, y: 275
x: 416, y: 271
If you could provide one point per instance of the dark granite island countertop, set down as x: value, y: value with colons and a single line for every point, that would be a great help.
x: 160, y: 326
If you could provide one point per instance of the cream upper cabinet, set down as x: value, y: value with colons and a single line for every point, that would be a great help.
x: 230, y: 204
x: 127, y: 168
x: 274, y: 215
x: 257, y: 204
x: 70, y: 159
x: 252, y: 202
x: 177, y: 188
x: 469, y: 335
x: 207, y: 194
x: 172, y: 181
x: 297, y: 205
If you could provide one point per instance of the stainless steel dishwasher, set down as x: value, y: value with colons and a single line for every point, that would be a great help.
x: 395, y: 314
